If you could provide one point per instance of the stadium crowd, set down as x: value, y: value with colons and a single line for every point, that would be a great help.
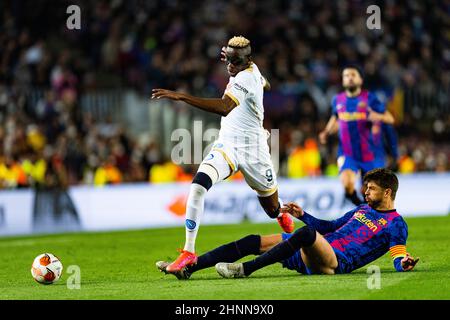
x: 300, y: 46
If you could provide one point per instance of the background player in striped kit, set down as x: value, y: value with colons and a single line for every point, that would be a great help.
x: 355, y: 110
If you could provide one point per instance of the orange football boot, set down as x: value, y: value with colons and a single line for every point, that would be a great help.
x: 286, y: 222
x: 185, y: 259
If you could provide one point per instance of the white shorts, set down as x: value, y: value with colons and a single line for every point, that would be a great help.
x: 252, y: 159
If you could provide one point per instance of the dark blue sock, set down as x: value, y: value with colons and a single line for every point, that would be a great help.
x: 229, y: 252
x: 303, y: 237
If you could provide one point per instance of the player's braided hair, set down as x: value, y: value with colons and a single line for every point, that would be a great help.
x: 242, y: 45
x: 238, y: 42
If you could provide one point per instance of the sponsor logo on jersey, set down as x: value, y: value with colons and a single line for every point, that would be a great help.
x: 239, y: 87
x: 352, y: 116
x: 361, y: 217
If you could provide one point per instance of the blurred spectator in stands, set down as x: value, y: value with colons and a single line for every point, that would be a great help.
x: 107, y: 173
x: 163, y: 172
x: 45, y: 70
x: 304, y: 160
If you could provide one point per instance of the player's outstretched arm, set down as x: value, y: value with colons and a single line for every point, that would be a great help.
x: 321, y: 226
x: 221, y: 106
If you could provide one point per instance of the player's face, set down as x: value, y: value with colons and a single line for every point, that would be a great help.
x: 351, y: 79
x: 374, y: 194
x: 235, y: 62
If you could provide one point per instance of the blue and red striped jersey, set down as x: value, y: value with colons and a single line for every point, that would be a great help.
x: 363, y: 235
x: 355, y: 138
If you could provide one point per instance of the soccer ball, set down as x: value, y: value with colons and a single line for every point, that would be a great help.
x: 46, y: 268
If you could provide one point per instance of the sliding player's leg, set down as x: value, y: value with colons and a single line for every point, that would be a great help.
x: 213, y: 169
x: 319, y: 256
x: 270, y: 241
x: 230, y: 252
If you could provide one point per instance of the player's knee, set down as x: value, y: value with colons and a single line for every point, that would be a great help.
x: 303, y: 237
x: 203, y: 179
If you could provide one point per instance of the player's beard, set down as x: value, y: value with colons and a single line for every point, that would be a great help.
x: 374, y: 204
x: 351, y: 88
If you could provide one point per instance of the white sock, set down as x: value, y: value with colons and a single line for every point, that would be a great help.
x: 281, y: 205
x: 194, y: 212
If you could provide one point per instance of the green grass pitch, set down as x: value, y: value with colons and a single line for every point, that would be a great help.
x: 121, y: 265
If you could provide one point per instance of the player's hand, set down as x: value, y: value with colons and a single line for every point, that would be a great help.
x: 293, y: 209
x: 374, y: 116
x: 323, y: 137
x: 408, y: 262
x: 223, y: 56
x: 163, y: 93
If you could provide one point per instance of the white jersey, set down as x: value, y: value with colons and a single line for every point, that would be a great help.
x: 247, y: 91
x: 242, y: 143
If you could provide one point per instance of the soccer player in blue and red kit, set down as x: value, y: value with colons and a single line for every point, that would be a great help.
x: 358, y: 238
x: 354, y: 110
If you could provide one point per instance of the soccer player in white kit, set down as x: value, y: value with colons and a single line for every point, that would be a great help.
x: 242, y: 144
